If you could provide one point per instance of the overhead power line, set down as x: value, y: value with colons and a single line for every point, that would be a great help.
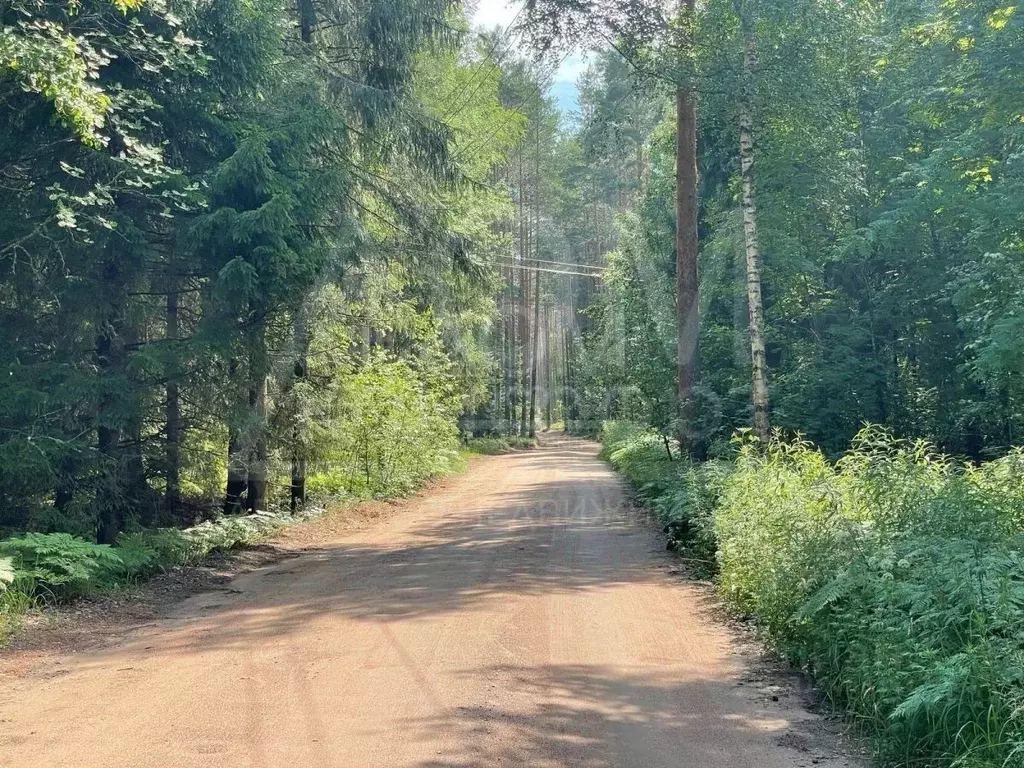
x: 506, y: 262
x: 482, y: 64
x: 570, y: 264
x: 528, y: 268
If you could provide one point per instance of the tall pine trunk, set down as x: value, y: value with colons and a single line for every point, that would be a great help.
x: 301, y: 336
x: 518, y: 401
x: 307, y: 20
x: 300, y: 330
x: 534, y: 354
x: 109, y: 495
x: 238, y: 471
x: 570, y: 380
x: 257, y: 444
x: 532, y: 425
x: 172, y: 410
x: 687, y: 307
x: 547, y: 367
x: 759, y: 370
x: 524, y: 370
x: 508, y: 342
x: 111, y: 360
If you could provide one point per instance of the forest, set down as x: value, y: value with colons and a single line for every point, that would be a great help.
x: 258, y: 257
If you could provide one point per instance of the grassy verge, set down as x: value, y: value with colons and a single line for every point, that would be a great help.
x: 893, y: 576
x: 48, y: 568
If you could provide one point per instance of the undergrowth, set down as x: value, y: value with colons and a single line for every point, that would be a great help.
x: 682, y: 495
x: 493, y: 446
x: 894, y: 576
x: 38, y: 569
x: 44, y: 568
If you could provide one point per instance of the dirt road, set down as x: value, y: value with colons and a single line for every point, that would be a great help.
x: 520, y: 616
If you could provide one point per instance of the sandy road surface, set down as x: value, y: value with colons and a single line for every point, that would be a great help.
x: 518, y: 616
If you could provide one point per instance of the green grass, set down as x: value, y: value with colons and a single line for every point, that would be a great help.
x: 15, y: 603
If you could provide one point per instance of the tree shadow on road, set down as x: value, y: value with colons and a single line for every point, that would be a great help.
x: 553, y: 535
x: 595, y: 716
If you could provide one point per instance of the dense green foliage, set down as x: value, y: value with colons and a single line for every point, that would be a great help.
x: 387, y: 432
x: 888, y: 140
x: 894, y: 575
x: 887, y: 146
x: 246, y: 253
x: 684, y: 496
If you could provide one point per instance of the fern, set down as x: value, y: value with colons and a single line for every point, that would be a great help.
x: 936, y: 692
x: 60, y: 562
x: 832, y: 592
x: 7, y: 572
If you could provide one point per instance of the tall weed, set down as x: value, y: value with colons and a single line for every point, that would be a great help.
x: 895, y: 576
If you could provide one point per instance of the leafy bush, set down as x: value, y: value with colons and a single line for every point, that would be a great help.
x: 389, y: 429
x: 894, y: 575
x: 148, y: 552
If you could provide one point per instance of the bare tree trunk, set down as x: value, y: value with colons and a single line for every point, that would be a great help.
x: 518, y: 302
x: 110, y: 495
x: 307, y: 20
x: 564, y: 344
x: 534, y: 356
x: 524, y: 315
x: 509, y: 346
x: 687, y: 307
x: 238, y: 470
x: 64, y: 490
x: 570, y: 378
x: 172, y: 447
x: 532, y: 426
x: 524, y: 371
x: 547, y: 367
x: 238, y: 474
x: 258, y: 454
x: 301, y: 336
x: 111, y: 360
x: 762, y: 427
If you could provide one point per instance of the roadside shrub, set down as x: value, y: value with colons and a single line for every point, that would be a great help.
x: 58, y: 566
x: 148, y: 552
x: 688, y: 510
x: 489, y: 446
x: 681, y: 494
x: 895, y: 576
